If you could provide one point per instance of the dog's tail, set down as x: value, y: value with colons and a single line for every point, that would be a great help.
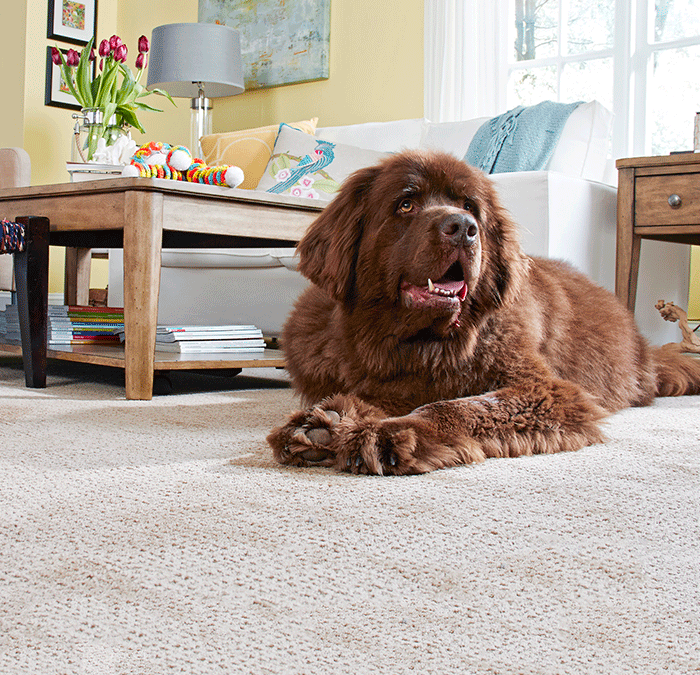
x: 676, y: 374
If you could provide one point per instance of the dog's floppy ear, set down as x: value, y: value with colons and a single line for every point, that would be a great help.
x: 328, y: 250
x: 511, y: 264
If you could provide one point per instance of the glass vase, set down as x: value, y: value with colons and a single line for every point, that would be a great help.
x: 89, y: 128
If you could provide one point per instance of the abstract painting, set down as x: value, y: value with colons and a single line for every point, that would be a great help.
x: 282, y: 41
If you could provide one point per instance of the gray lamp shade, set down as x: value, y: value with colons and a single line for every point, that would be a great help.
x: 183, y: 54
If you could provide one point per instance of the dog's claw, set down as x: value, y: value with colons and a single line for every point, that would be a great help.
x: 334, y: 416
x: 392, y: 460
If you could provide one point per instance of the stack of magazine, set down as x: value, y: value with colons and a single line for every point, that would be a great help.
x: 84, y: 325
x: 73, y: 324
x: 238, y: 339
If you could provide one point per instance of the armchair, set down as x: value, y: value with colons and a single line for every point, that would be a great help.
x: 15, y: 171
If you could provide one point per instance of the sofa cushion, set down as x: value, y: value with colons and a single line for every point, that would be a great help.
x: 453, y: 137
x: 305, y: 166
x: 584, y: 145
x: 250, y: 149
x: 381, y: 136
x: 582, y: 149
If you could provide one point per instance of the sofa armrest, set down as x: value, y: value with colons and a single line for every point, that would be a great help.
x: 565, y: 218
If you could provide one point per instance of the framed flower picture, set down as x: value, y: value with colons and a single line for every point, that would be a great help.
x: 57, y: 92
x: 72, y: 20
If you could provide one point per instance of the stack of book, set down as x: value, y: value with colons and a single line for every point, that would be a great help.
x: 3, y: 325
x: 203, y: 339
x: 12, y: 323
x: 70, y: 324
x: 81, y: 325
x: 80, y: 171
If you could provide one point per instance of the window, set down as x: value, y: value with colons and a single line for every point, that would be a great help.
x: 640, y: 58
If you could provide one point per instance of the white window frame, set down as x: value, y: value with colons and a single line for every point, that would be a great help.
x: 631, y: 55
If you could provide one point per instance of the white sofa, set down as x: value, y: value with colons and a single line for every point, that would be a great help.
x: 567, y: 211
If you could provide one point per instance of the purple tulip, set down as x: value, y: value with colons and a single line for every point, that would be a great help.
x: 143, y: 45
x: 120, y: 53
x: 72, y: 57
x: 141, y: 61
x: 105, y: 49
x: 92, y: 55
x: 55, y: 56
x: 115, y: 41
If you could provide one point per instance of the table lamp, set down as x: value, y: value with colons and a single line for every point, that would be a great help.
x: 189, y: 59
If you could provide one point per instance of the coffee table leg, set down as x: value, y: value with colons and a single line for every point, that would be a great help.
x: 143, y: 235
x: 32, y: 279
x: 76, y: 287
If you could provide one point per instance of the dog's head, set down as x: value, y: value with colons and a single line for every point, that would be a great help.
x: 421, y: 234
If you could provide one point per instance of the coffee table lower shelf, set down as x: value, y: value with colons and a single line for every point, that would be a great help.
x: 113, y: 355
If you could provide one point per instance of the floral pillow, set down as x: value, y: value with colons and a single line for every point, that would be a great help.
x: 305, y: 166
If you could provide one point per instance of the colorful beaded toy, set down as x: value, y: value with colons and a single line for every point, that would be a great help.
x: 160, y: 160
x: 11, y: 237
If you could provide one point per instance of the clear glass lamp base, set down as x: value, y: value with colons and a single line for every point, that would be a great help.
x: 200, y: 124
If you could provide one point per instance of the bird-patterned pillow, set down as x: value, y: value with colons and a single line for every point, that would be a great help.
x: 304, y: 166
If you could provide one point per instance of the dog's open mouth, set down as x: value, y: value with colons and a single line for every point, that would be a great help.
x: 448, y: 291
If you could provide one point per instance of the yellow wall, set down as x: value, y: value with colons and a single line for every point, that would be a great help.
x: 13, y: 33
x: 376, y: 74
x: 694, y: 295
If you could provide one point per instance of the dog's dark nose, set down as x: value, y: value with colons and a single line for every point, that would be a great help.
x: 460, y: 228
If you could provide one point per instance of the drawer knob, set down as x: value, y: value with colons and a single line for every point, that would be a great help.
x: 674, y: 201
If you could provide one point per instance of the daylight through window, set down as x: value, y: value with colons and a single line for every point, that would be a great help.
x: 570, y: 50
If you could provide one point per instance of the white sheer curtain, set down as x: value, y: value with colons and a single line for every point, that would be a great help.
x: 465, y: 58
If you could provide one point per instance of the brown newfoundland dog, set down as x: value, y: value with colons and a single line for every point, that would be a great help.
x: 428, y: 339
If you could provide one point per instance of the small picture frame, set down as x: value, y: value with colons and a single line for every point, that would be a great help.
x: 57, y: 93
x: 72, y: 21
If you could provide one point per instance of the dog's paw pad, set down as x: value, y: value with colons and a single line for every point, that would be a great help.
x: 319, y: 436
x: 315, y: 455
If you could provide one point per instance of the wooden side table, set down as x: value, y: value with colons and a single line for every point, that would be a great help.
x: 657, y: 198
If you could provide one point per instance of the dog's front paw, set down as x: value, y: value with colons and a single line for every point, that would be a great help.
x: 377, y: 447
x: 306, y: 438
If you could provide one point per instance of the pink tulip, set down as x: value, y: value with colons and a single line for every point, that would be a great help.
x: 115, y: 41
x: 92, y: 55
x: 143, y: 45
x: 120, y: 53
x: 105, y: 49
x: 55, y: 56
x: 141, y: 61
x: 72, y: 57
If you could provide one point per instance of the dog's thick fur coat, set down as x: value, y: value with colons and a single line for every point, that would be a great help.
x: 428, y: 339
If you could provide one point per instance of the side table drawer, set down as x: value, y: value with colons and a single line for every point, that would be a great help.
x: 651, y: 199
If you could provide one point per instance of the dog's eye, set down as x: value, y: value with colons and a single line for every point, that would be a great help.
x: 469, y: 206
x: 405, y: 206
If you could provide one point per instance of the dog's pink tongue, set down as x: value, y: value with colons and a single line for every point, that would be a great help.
x: 457, y: 287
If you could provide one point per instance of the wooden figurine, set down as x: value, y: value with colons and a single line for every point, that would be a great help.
x: 690, y: 341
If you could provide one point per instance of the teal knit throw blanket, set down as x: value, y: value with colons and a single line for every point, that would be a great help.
x: 522, y: 139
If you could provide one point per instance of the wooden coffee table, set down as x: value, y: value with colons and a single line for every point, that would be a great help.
x: 145, y: 215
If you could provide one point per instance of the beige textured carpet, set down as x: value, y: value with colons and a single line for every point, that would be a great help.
x: 160, y: 537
